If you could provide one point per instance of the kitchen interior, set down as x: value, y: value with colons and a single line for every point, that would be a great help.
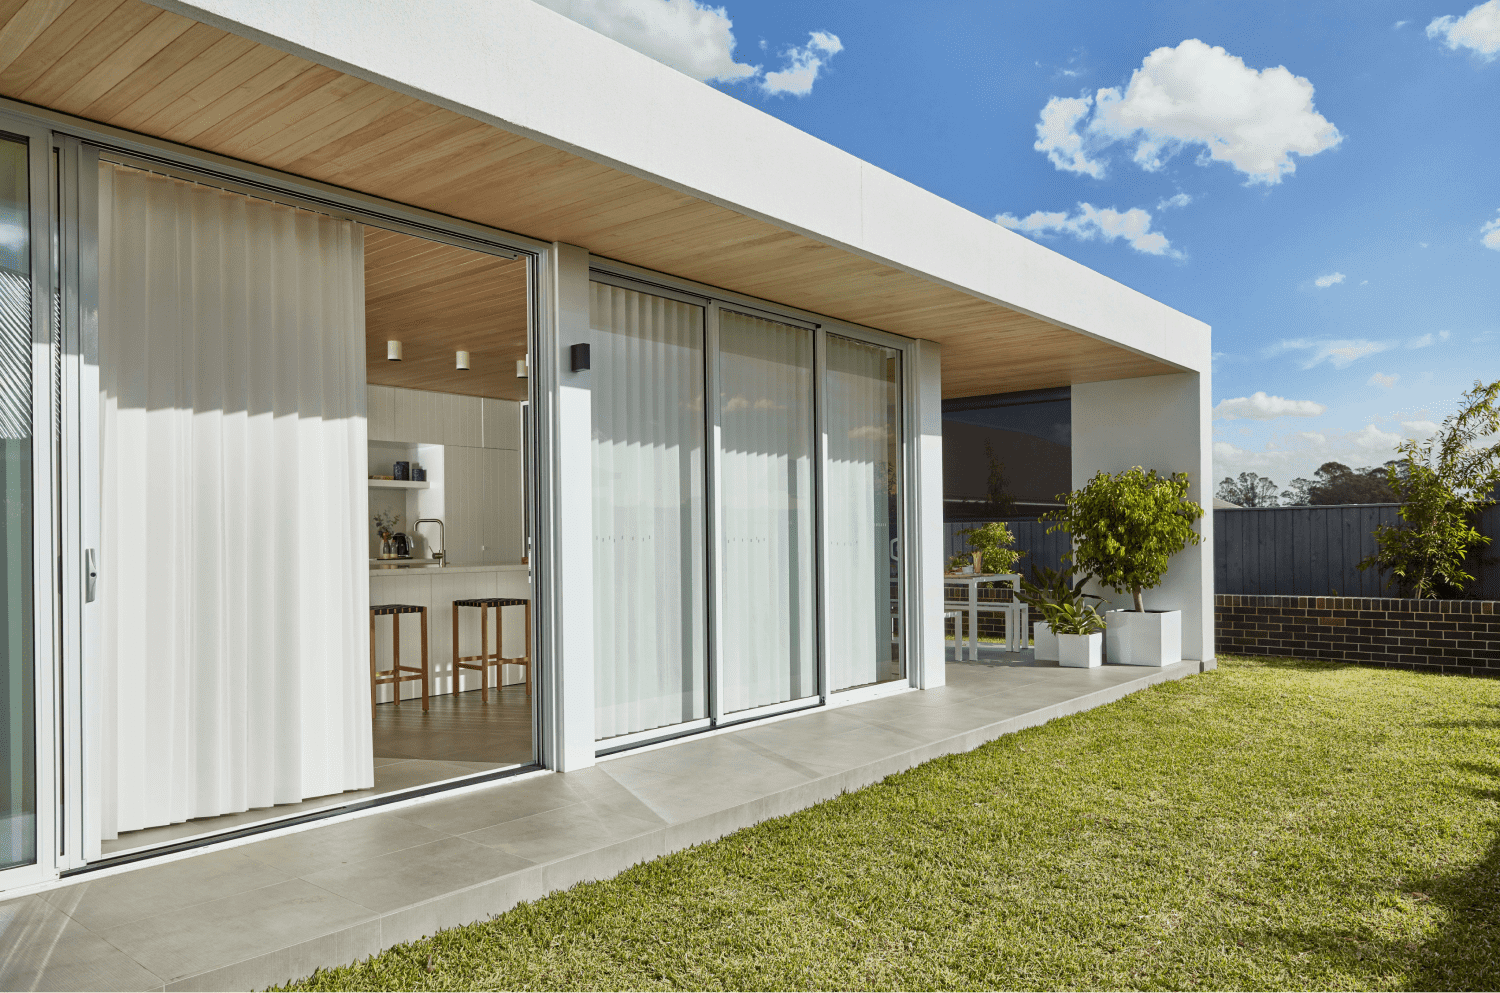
x: 447, y: 371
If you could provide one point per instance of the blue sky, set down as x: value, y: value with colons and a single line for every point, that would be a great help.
x: 1341, y: 240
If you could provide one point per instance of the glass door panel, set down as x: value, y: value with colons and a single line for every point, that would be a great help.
x: 650, y: 607
x: 863, y: 485
x: 18, y: 810
x: 766, y: 626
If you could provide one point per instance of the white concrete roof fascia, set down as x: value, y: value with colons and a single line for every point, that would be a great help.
x: 524, y: 68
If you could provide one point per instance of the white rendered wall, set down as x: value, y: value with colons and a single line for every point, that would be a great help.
x: 1161, y: 423
x: 572, y: 568
x: 925, y: 365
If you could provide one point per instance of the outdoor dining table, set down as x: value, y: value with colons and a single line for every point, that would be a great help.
x: 971, y: 605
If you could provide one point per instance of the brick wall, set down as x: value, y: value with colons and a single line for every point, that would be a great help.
x: 1453, y: 636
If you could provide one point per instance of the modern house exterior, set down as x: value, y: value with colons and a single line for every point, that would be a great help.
x: 672, y: 373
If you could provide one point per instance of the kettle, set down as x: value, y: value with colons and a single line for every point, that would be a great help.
x: 401, y: 543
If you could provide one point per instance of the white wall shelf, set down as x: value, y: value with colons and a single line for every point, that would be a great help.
x: 400, y: 484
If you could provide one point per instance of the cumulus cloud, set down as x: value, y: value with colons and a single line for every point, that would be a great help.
x: 698, y: 39
x: 803, y: 65
x: 1479, y: 29
x: 1419, y: 428
x: 1057, y: 135
x: 692, y: 38
x: 1382, y: 380
x: 1489, y: 234
x: 1192, y: 96
x: 1323, y: 282
x: 1260, y: 407
x: 1423, y: 340
x: 1340, y: 353
x: 1178, y: 200
x: 1090, y: 222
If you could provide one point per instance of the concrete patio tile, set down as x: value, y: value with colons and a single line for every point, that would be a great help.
x: 340, y: 844
x: 104, y: 902
x: 476, y: 903
x: 214, y: 935
x: 561, y: 833
x: 496, y: 804
x: 42, y: 948
x: 400, y: 879
x: 290, y: 962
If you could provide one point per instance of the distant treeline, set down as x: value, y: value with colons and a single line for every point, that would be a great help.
x: 1334, y: 483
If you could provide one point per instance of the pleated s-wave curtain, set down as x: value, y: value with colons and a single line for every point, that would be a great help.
x: 650, y: 643
x: 768, y: 636
x: 861, y: 475
x: 235, y: 639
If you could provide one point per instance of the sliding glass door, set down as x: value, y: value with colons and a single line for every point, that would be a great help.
x: 863, y: 486
x: 648, y: 451
x: 18, y: 835
x: 767, y: 625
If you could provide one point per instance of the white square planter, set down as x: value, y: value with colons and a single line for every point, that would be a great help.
x: 1044, y: 642
x: 1150, y: 638
x: 1081, y: 651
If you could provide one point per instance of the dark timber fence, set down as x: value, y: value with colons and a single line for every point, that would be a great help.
x: 1280, y: 551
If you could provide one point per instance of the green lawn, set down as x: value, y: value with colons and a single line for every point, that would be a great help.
x: 1273, y: 824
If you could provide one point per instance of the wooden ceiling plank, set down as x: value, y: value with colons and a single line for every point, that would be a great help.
x: 23, y: 22
x: 225, y: 89
x: 127, y: 57
x: 71, y: 25
x: 155, y: 76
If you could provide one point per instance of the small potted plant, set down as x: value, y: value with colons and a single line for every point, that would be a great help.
x: 959, y: 564
x: 1125, y: 530
x: 386, y: 522
x: 994, y: 547
x: 1079, y: 630
x: 1049, y: 587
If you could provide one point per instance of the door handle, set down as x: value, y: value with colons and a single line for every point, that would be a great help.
x: 90, y: 574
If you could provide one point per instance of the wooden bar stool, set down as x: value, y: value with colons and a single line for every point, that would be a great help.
x: 486, y: 658
x: 397, y: 673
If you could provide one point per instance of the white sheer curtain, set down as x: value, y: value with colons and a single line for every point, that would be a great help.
x: 768, y: 640
x: 234, y: 588
x: 650, y: 654
x: 862, y: 483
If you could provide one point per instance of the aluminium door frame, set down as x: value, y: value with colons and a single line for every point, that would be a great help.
x: 60, y: 632
x: 45, y: 553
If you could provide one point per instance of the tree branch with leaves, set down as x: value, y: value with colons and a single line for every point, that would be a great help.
x: 1442, y: 483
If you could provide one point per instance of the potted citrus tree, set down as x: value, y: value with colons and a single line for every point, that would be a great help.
x: 1125, y: 530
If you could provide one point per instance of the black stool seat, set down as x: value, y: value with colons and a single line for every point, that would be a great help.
x: 382, y: 609
x: 492, y: 601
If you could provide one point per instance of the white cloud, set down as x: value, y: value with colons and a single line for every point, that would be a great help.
x: 1421, y: 428
x: 1299, y: 453
x: 1372, y: 439
x: 698, y: 39
x: 803, y: 65
x: 692, y: 38
x: 1177, y: 200
x: 1260, y: 407
x: 1057, y: 135
x: 1490, y: 234
x: 1192, y: 95
x: 1399, y: 25
x: 1479, y: 29
x: 1424, y: 340
x: 1382, y: 380
x: 1089, y: 222
x: 1340, y: 353
x: 1323, y: 282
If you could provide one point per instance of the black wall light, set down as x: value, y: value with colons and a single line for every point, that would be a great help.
x: 580, y: 357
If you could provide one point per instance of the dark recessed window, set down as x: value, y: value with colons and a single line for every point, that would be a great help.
x: 1006, y: 455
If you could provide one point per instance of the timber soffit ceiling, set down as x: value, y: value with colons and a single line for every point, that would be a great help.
x: 140, y: 68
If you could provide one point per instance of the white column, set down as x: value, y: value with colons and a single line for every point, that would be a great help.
x: 1161, y: 423
x: 572, y: 537
x: 927, y: 495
